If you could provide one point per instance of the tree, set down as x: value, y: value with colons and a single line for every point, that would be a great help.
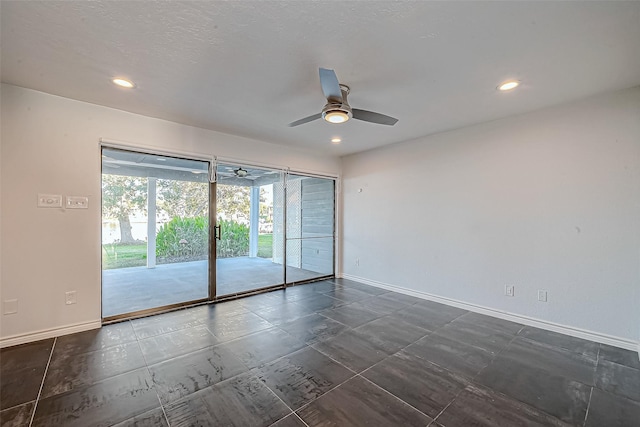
x: 234, y: 202
x: 121, y: 197
x: 183, y: 199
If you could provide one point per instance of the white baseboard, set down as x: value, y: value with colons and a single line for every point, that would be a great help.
x: 518, y: 318
x: 48, y: 333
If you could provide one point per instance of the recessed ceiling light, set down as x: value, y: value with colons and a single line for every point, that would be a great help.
x: 336, y: 141
x: 508, y: 85
x: 123, y: 83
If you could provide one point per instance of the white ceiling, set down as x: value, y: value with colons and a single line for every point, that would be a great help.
x: 249, y: 68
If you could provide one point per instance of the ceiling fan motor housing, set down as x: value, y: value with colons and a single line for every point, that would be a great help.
x: 342, y: 107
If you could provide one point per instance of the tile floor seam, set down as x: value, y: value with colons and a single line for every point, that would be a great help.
x: 272, y: 360
x: 300, y: 418
x: 164, y: 413
x: 146, y: 365
x: 586, y: 415
x: 401, y: 400
x: 393, y: 354
x: 364, y: 370
x: 44, y: 377
x: 499, y: 393
x: 493, y: 359
x: 18, y: 405
x: 334, y: 360
x: 337, y: 321
x: 328, y: 391
x: 283, y: 402
x: 267, y: 320
x: 475, y: 346
x: 559, y: 349
x: 473, y: 379
x: 450, y: 403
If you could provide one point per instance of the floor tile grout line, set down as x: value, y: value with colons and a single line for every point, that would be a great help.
x: 164, y: 413
x: 44, y: 376
x: 475, y: 383
x: 473, y: 379
x: 146, y: 365
x: 396, y: 397
x: 300, y: 418
x: 332, y: 359
x: 283, y: 402
x: 586, y: 414
x: 435, y: 419
x: 393, y: 354
x: 493, y: 359
x: 326, y: 392
x: 355, y: 373
x: 595, y: 372
x: 428, y: 361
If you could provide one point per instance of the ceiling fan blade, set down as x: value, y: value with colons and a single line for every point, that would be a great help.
x: 305, y: 120
x: 330, y: 85
x: 370, y: 116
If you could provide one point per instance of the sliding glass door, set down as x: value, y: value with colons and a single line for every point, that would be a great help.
x: 172, y: 236
x: 155, y: 231
x: 249, y: 232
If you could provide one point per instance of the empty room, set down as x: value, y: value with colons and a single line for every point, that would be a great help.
x: 319, y: 213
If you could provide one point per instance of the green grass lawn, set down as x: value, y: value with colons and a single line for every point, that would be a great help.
x: 265, y: 245
x: 121, y: 256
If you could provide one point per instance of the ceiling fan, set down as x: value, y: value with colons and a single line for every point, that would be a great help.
x: 337, y: 109
x: 231, y: 172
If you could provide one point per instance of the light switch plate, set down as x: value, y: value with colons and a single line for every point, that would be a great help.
x: 77, y: 202
x: 49, y: 200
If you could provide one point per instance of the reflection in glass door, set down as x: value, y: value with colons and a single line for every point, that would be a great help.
x: 249, y: 236
x: 155, y: 232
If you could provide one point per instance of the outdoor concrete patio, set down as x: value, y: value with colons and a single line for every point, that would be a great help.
x: 126, y: 290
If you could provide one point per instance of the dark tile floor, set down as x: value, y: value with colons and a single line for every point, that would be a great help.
x: 328, y: 353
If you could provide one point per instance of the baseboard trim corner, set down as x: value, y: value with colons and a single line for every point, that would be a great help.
x: 48, y: 333
x: 513, y: 317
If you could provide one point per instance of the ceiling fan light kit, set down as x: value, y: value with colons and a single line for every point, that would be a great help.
x: 336, y: 116
x: 337, y: 109
x: 241, y: 173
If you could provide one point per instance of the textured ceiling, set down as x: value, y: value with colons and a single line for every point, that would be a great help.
x: 249, y: 68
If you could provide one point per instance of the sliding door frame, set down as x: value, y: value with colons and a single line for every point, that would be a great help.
x: 212, y: 257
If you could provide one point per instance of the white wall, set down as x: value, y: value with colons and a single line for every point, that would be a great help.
x: 546, y: 200
x: 50, y: 145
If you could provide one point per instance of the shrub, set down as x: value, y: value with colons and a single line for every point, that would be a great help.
x: 234, y: 239
x: 183, y: 238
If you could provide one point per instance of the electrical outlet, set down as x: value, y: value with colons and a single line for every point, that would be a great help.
x: 509, y: 290
x: 10, y: 306
x: 357, y: 262
x: 542, y: 295
x: 70, y: 297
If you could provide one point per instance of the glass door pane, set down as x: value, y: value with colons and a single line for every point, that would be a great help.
x: 310, y: 227
x: 249, y: 242
x: 155, y: 231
